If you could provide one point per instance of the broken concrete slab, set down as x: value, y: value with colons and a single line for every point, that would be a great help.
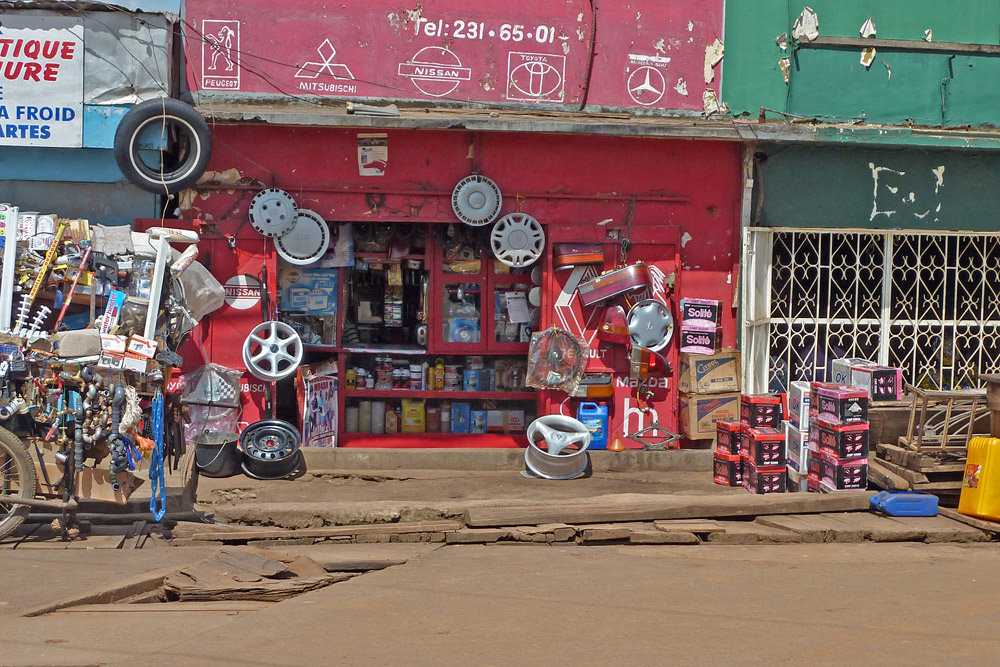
x: 655, y: 536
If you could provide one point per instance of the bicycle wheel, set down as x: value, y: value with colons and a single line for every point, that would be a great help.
x: 17, y: 478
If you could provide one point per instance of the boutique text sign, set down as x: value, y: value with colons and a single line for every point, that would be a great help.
x: 41, y: 81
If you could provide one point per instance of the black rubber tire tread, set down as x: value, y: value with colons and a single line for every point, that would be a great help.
x: 150, y: 113
x: 13, y: 447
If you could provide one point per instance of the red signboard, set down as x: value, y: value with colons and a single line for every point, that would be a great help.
x: 645, y: 54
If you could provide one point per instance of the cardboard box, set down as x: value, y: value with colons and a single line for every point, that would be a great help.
x: 766, y: 448
x: 478, y: 421
x: 701, y: 312
x: 495, y: 421
x: 881, y: 382
x: 81, y: 343
x: 843, y: 441
x: 700, y: 340
x: 842, y: 405
x: 764, y: 480
x: 797, y: 482
x: 812, y: 482
x: 728, y: 470
x: 698, y: 414
x: 760, y: 410
x: 414, y: 416
x: 709, y: 373
x: 798, y: 405
x: 727, y: 438
x: 796, y: 451
x: 839, y: 474
x: 460, y: 417
x: 515, y: 421
x: 841, y: 370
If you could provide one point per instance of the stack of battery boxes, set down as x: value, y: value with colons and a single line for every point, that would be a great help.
x: 838, y: 438
x: 751, y: 452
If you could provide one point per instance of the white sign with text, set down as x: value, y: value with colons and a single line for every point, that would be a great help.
x: 41, y: 81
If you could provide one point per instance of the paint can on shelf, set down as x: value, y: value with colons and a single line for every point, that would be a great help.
x: 378, y: 417
x: 432, y: 419
x: 446, y: 418
x: 365, y: 417
x: 353, y: 418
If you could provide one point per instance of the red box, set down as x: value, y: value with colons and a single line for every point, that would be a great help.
x: 814, y: 467
x: 757, y: 410
x: 766, y: 448
x: 728, y: 470
x: 763, y: 480
x: 842, y: 405
x: 843, y: 441
x: 839, y: 474
x: 813, y: 482
x: 727, y: 439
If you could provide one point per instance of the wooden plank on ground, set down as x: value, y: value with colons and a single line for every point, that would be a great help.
x: 332, y: 531
x: 668, y: 507
x: 942, y: 529
x: 878, y: 528
x: 222, y: 606
x: 885, y: 478
x: 751, y: 532
x: 690, y: 526
x: 655, y: 536
x: 911, y: 476
x: 953, y: 485
x: 815, y: 527
x: 476, y: 536
x: 251, y: 561
x: 975, y: 522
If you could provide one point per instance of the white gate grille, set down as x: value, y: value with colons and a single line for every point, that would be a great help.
x: 926, y: 302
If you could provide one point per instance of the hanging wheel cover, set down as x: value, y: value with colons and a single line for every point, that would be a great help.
x: 270, y: 449
x: 476, y: 200
x: 565, y: 455
x: 272, y: 351
x: 650, y: 325
x: 273, y: 212
x: 306, y: 241
x: 517, y: 240
x: 188, y: 149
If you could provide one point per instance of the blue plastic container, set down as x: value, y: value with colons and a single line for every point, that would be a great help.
x: 595, y: 417
x: 905, y: 503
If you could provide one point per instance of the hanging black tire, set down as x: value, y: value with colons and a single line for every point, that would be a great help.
x: 17, y: 478
x: 185, y: 155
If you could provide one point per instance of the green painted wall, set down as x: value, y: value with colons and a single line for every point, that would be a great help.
x: 830, y: 83
x: 810, y: 186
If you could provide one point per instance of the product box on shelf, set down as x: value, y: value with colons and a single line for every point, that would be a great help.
x: 842, y: 405
x: 796, y: 450
x: 700, y: 340
x: 798, y: 405
x: 764, y: 480
x: 709, y: 373
x: 470, y: 381
x: 765, y: 447
x: 881, y: 382
x: 461, y: 417
x: 495, y: 421
x: 414, y: 416
x: 843, y: 441
x: 701, y: 312
x: 728, y: 470
x: 478, y: 421
x: 758, y: 410
x: 727, y: 439
x: 698, y: 414
x: 515, y: 421
x: 839, y: 474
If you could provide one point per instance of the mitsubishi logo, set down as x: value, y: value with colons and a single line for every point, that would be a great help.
x: 327, y: 52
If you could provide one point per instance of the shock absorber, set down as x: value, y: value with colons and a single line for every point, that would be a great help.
x: 81, y: 414
x: 119, y: 455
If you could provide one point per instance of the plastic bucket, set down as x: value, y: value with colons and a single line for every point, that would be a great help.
x: 216, y: 454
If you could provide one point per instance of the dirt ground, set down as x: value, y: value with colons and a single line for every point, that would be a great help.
x: 843, y: 604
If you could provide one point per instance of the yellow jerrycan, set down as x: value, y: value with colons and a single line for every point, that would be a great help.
x: 981, y: 481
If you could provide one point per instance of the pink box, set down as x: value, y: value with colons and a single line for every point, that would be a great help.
x: 700, y: 339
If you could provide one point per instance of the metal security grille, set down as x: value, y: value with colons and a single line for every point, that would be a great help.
x: 926, y: 302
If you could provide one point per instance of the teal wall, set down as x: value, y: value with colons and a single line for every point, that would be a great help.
x: 830, y: 84
x: 810, y: 186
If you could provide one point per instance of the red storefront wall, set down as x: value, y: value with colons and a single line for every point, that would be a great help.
x: 684, y: 196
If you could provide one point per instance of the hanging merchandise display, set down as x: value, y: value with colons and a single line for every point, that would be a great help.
x: 614, y: 328
x: 610, y: 284
x: 556, y: 360
x: 517, y: 240
x: 569, y: 255
x: 650, y: 325
x: 272, y: 351
x: 476, y: 200
x: 306, y: 241
x: 273, y: 212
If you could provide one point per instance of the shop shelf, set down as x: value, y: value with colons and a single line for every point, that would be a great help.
x: 433, y: 440
x: 432, y: 393
x: 402, y: 349
x: 384, y: 256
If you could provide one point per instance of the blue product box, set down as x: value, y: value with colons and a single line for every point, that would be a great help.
x: 460, y: 417
x: 470, y: 381
x: 479, y: 421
